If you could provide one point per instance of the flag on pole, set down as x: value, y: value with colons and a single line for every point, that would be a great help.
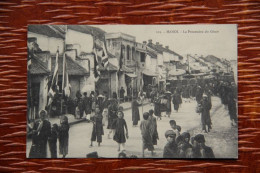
x: 104, y: 55
x: 54, y: 81
x: 55, y: 73
x: 65, y: 82
x: 96, y: 64
x: 121, y: 58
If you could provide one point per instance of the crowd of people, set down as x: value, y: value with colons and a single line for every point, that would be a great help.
x: 43, y: 133
x: 107, y: 113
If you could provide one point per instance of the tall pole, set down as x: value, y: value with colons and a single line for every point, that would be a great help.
x: 188, y: 63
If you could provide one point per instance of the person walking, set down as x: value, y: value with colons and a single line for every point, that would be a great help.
x: 135, y: 112
x: 53, y: 141
x: 176, y: 100
x: 157, y: 107
x: 146, y: 131
x: 168, y: 104
x: 112, y: 114
x: 154, y: 131
x: 122, y: 94
x: 97, y: 130
x: 121, y: 131
x: 205, y: 114
x: 64, y: 136
x: 87, y: 104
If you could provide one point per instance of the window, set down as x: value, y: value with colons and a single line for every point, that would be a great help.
x: 133, y: 53
x: 128, y: 52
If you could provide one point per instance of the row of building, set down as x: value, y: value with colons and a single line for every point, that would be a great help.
x: 131, y: 65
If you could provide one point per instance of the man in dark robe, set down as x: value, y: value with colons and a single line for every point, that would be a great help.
x: 205, y: 113
x: 112, y: 113
x: 41, y: 132
x: 122, y: 94
x: 87, y: 103
x: 232, y: 108
x: 135, y: 112
x: 176, y: 100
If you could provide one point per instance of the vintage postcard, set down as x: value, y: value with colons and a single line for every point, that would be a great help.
x: 132, y: 91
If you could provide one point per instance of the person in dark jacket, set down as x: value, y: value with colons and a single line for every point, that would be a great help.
x: 232, y: 108
x: 53, y: 141
x: 135, y: 112
x: 79, y: 103
x: 205, y: 114
x: 122, y: 94
x: 170, y: 149
x: 146, y: 131
x: 87, y: 103
x: 203, y: 150
x: 176, y: 100
x: 157, y: 107
x: 64, y: 136
x: 121, y: 131
x: 184, y: 146
x: 40, y: 134
x: 154, y: 131
x: 168, y: 104
x: 112, y: 113
x: 97, y: 130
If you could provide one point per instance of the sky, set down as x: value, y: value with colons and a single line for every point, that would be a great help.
x: 206, y: 39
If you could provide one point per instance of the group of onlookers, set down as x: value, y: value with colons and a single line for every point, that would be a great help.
x: 43, y: 133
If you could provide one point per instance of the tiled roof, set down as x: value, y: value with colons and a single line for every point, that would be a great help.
x: 161, y: 49
x: 88, y: 30
x: 38, y: 67
x: 73, y: 67
x: 154, y: 47
x: 46, y: 30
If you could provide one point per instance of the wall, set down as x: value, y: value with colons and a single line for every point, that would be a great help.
x: 75, y: 86
x: 48, y: 43
x: 114, y: 82
x: 84, y: 40
x: 159, y: 59
x: 43, y: 91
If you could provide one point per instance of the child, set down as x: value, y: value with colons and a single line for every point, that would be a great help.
x: 154, y: 131
x: 170, y: 149
x: 122, y: 155
x: 120, y: 127
x: 53, y: 141
x: 203, y: 150
x: 97, y: 130
x: 146, y: 134
x: 174, y: 127
x: 64, y: 136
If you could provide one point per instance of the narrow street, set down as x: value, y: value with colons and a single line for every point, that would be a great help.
x: 222, y: 138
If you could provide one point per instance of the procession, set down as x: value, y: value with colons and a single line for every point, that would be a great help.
x: 117, y: 101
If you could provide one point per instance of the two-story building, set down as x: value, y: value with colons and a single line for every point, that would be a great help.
x: 123, y: 47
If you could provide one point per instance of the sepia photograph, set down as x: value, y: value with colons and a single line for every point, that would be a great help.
x: 132, y: 91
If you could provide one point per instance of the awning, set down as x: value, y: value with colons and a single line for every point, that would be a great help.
x: 188, y: 76
x: 200, y: 74
x: 126, y: 69
x: 177, y: 72
x: 149, y: 73
x: 131, y: 75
